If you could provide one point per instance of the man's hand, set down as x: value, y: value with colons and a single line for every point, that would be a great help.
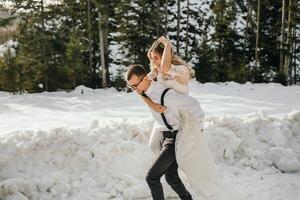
x: 159, y: 108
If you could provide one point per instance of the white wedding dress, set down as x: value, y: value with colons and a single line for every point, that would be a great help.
x: 192, y: 153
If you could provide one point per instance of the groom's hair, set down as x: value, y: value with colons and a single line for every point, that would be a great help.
x: 137, y: 70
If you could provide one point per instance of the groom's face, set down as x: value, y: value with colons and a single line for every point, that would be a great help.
x: 139, y: 84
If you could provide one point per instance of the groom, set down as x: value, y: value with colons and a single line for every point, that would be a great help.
x: 168, y: 125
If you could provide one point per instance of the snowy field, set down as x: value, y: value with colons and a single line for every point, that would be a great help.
x: 94, y: 145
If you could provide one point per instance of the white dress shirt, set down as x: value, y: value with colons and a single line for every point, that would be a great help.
x: 174, y: 101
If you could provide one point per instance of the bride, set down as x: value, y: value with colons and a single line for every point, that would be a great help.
x: 168, y: 69
x: 192, y: 154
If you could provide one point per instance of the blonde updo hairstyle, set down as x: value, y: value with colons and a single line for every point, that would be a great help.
x: 158, y: 48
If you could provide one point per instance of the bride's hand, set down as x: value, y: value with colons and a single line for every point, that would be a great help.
x: 164, y: 40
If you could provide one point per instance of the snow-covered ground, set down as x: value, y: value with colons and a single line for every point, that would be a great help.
x: 94, y: 145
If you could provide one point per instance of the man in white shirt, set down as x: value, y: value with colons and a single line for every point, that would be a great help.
x: 168, y: 125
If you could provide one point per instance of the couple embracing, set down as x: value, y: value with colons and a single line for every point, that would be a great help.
x: 177, y: 138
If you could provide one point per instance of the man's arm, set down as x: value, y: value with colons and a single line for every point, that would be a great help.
x: 184, y: 102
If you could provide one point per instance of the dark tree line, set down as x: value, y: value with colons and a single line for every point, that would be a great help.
x: 90, y: 42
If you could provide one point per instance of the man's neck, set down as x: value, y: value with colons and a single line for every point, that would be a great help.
x: 149, y: 89
x: 150, y: 83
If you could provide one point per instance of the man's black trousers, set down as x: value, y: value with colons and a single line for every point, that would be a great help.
x: 166, y: 164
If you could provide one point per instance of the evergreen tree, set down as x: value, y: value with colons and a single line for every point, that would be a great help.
x: 270, y: 43
x: 74, y: 61
x: 137, y: 29
x: 8, y: 73
x: 70, y: 43
x: 224, y: 38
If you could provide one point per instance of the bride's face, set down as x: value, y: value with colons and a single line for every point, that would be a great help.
x: 156, y: 58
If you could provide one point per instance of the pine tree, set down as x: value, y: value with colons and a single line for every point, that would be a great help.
x: 74, y: 61
x: 201, y: 53
x: 137, y: 29
x: 269, y: 34
x: 8, y: 73
x: 224, y: 37
x: 204, y: 66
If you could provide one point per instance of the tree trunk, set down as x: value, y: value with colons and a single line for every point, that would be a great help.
x: 105, y: 40
x: 220, y: 68
x: 178, y: 26
x: 74, y: 80
x: 249, y: 11
x: 45, y: 67
x: 287, y: 62
x: 294, y: 58
x: 282, y: 40
x: 90, y: 35
x: 257, y: 50
x: 101, y: 49
x: 166, y: 18
x: 187, y: 29
x: 158, y: 19
x: 20, y: 79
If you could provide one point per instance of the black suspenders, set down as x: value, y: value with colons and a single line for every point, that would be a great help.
x: 162, y: 114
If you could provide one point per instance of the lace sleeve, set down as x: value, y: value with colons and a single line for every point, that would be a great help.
x: 180, y: 71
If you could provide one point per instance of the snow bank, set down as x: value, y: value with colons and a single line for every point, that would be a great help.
x: 92, y: 163
x: 256, y: 140
x: 109, y: 161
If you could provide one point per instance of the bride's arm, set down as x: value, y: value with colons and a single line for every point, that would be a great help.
x: 167, y: 54
x: 184, y: 102
x: 176, y: 85
x: 181, y: 80
x: 178, y: 81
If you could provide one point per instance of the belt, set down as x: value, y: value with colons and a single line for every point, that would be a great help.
x: 170, y: 134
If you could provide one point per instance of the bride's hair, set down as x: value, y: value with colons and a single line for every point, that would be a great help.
x: 158, y: 47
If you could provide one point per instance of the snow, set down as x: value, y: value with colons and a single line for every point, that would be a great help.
x: 9, y: 3
x: 92, y: 144
x: 11, y: 45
